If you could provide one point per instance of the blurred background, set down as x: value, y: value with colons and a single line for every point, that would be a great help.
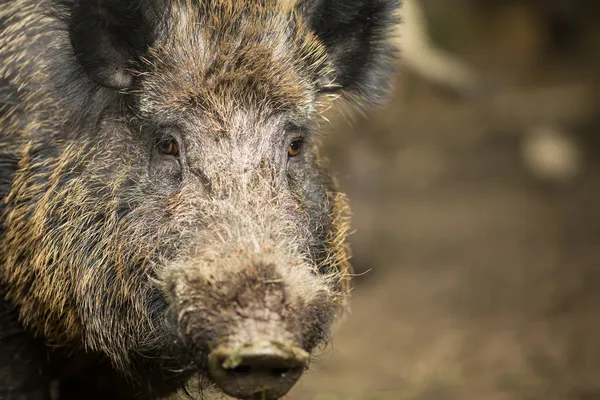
x: 476, y: 199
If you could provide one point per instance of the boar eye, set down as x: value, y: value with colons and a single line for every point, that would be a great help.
x: 295, y: 148
x: 169, y: 147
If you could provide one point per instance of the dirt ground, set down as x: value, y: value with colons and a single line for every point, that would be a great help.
x: 484, y: 280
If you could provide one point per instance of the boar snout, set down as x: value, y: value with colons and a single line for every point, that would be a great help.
x: 262, y: 370
x: 251, y: 324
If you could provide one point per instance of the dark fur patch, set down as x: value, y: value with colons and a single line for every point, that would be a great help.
x: 357, y: 36
x: 8, y: 162
x: 21, y: 361
x: 108, y: 38
x: 8, y: 166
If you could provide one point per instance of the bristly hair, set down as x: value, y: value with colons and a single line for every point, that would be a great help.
x: 88, y: 228
x: 356, y: 34
x: 99, y: 47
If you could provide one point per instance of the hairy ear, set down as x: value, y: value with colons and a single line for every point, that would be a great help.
x: 357, y: 35
x: 108, y: 37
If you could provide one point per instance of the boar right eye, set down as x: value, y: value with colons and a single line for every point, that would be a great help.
x: 294, y: 148
x: 169, y: 147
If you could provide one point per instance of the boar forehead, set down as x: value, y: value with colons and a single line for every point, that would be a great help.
x: 240, y: 146
x: 211, y: 58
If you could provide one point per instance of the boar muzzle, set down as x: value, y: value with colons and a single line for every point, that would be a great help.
x: 250, y: 324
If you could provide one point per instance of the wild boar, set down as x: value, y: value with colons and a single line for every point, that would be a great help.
x: 165, y: 212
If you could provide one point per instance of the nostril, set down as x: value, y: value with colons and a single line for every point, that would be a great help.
x: 240, y: 371
x: 243, y: 371
x: 281, y: 372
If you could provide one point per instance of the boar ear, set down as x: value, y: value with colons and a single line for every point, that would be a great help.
x: 358, y: 37
x: 108, y: 36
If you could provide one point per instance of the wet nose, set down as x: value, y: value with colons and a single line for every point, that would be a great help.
x: 261, y: 370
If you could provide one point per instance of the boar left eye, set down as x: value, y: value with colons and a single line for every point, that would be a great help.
x: 295, y: 148
x: 169, y: 147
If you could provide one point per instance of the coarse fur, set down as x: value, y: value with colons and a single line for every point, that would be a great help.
x: 124, y: 264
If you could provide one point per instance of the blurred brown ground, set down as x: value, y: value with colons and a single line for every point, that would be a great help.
x: 484, y: 281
